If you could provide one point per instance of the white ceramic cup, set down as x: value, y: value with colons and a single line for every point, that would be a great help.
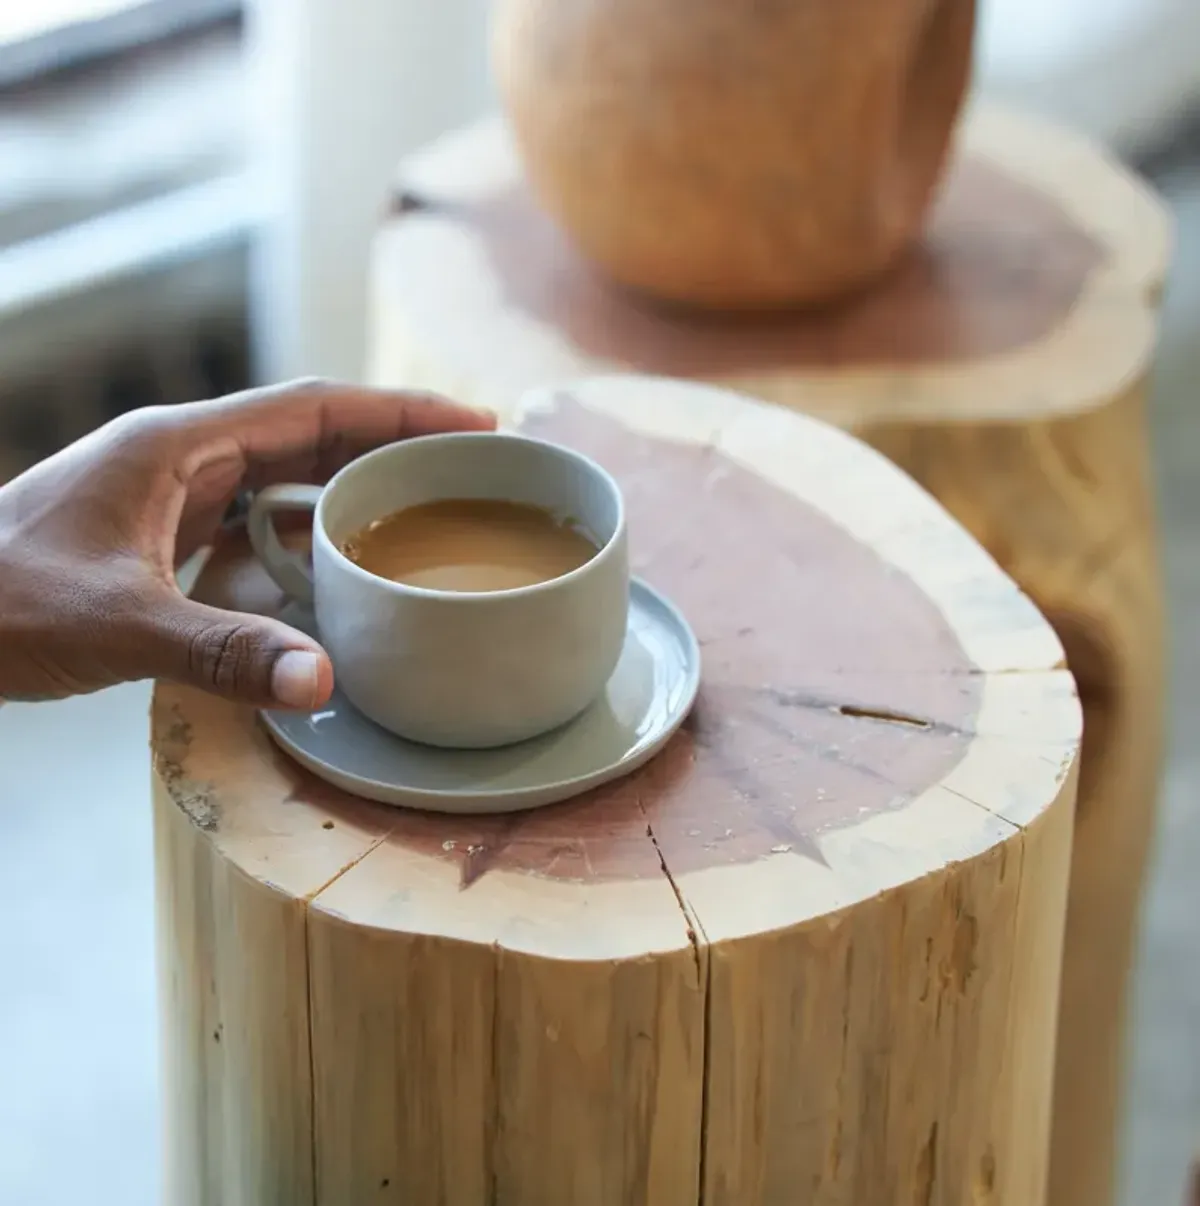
x: 446, y: 668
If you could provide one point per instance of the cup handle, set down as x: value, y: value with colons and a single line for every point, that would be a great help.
x: 289, y: 571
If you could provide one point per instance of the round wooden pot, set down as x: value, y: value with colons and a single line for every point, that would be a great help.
x: 723, y: 153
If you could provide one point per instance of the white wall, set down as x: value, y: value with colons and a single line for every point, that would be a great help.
x: 342, y: 89
x: 1120, y: 70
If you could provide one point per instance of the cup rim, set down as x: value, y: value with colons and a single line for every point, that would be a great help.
x: 604, y: 552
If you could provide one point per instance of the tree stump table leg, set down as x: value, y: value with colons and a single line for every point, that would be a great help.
x: 1003, y: 365
x: 810, y: 952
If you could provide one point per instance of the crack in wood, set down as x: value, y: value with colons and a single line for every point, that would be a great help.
x: 795, y: 699
x: 925, y: 1178
x: 689, y: 921
x: 885, y: 715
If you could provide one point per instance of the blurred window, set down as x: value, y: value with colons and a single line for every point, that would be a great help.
x: 40, y: 37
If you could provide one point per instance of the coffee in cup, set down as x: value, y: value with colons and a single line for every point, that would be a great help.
x: 471, y: 588
x: 470, y: 544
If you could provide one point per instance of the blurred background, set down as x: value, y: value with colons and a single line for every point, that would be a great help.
x: 187, y: 193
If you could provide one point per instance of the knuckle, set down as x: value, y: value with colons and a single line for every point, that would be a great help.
x: 146, y: 429
x: 308, y: 385
x: 144, y: 420
x: 226, y: 658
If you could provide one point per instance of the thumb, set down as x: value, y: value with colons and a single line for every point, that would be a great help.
x: 252, y: 659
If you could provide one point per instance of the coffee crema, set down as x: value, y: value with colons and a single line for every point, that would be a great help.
x: 469, y: 545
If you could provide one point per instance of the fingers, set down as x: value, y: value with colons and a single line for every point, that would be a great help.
x: 308, y: 430
x: 248, y: 658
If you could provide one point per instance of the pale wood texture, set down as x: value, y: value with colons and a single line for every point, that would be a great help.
x: 813, y: 947
x: 1003, y: 365
x: 717, y: 153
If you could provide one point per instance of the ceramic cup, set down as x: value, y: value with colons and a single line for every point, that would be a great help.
x: 445, y: 668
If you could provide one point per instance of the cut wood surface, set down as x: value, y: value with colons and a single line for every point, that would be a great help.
x: 1003, y: 365
x: 1035, y: 292
x: 812, y: 947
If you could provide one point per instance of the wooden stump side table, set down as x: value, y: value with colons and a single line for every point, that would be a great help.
x: 811, y: 951
x: 1003, y: 366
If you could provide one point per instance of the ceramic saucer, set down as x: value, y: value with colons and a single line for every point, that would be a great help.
x: 647, y: 698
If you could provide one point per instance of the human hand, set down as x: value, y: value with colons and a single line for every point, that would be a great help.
x: 91, y: 537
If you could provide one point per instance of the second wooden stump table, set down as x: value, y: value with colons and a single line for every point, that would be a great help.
x: 809, y: 953
x: 1003, y: 365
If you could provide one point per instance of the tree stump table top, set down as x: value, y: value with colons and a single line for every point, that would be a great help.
x: 847, y: 871
x: 1033, y: 292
